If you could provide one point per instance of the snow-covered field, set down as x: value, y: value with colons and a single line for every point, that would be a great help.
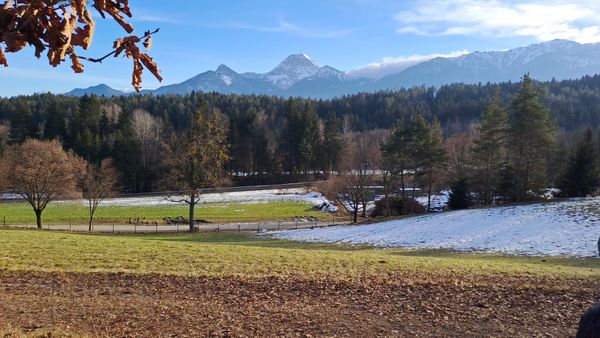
x: 259, y: 196
x: 567, y: 228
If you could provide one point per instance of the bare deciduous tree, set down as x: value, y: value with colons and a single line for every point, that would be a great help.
x: 196, y: 160
x: 358, y: 165
x: 459, y: 148
x: 4, y: 134
x: 41, y: 172
x: 147, y: 130
x: 98, y: 183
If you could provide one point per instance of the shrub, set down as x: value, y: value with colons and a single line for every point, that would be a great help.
x: 398, y: 207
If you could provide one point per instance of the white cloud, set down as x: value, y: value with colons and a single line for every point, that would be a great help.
x: 394, y: 65
x: 542, y: 20
x: 283, y: 26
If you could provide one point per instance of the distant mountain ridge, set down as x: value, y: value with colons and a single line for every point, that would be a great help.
x: 298, y: 75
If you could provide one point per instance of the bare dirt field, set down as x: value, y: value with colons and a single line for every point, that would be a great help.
x: 395, y: 304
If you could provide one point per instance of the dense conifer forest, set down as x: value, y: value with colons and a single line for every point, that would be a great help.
x: 271, y: 139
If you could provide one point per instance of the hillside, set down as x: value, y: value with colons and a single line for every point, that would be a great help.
x: 568, y: 228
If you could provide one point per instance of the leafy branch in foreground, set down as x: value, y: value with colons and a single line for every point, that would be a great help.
x: 63, y: 26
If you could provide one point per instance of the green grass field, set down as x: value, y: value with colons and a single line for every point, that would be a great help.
x: 251, y: 256
x: 61, y: 213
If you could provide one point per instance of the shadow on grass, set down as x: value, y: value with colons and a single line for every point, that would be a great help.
x: 588, y: 262
x: 245, y: 239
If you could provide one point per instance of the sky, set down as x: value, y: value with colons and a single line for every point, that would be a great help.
x: 366, y: 38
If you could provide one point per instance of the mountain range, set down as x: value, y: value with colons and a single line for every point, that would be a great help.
x: 298, y: 75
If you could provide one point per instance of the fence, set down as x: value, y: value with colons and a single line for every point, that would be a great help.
x: 263, y: 226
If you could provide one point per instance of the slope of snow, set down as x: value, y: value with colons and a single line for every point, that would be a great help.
x: 227, y: 79
x: 568, y: 228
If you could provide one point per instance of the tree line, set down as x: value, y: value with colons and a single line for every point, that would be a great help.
x: 272, y: 140
x: 514, y: 153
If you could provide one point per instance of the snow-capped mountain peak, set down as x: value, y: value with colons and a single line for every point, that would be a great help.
x: 223, y: 69
x: 294, y: 68
x: 227, y: 74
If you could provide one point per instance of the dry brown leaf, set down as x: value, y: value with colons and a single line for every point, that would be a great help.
x: 3, y: 60
x: 77, y: 66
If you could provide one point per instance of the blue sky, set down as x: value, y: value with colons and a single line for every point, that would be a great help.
x: 365, y: 37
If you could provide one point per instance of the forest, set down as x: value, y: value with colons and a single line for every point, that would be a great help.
x: 272, y: 139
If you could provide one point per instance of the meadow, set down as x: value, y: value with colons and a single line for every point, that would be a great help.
x: 121, y: 285
x: 211, y: 254
x: 63, y: 213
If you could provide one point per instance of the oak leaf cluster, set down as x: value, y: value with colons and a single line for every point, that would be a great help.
x: 61, y: 28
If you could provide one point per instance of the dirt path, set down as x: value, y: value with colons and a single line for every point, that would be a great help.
x: 145, y: 306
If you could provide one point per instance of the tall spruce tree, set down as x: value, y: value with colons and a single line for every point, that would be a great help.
x: 460, y: 197
x: 531, y: 140
x: 489, y: 151
x: 311, y: 138
x: 292, y: 137
x: 400, y: 153
x: 432, y: 155
x: 583, y: 174
x: 333, y: 143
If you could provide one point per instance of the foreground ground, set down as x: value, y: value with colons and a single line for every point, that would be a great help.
x: 223, y: 285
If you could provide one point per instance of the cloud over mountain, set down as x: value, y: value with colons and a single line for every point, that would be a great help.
x: 543, y: 20
x: 393, y: 65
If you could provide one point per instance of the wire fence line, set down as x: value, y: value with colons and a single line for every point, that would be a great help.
x: 263, y: 226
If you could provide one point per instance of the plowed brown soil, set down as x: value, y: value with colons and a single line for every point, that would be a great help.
x: 120, y: 305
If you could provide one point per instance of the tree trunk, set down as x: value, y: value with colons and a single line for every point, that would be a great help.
x: 429, y: 189
x: 356, y: 214
x: 38, y: 217
x: 364, y: 208
x: 403, y: 210
x: 91, y: 220
x: 192, y: 207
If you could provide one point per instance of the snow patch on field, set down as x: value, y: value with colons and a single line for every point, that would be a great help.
x: 258, y: 196
x: 567, y: 228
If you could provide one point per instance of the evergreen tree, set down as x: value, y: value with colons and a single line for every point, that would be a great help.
x: 55, y: 128
x: 532, y: 136
x: 460, y: 197
x: 432, y: 155
x: 292, y: 137
x: 398, y: 158
x: 333, y: 143
x: 489, y: 152
x: 22, y: 125
x: 311, y: 138
x: 583, y: 174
